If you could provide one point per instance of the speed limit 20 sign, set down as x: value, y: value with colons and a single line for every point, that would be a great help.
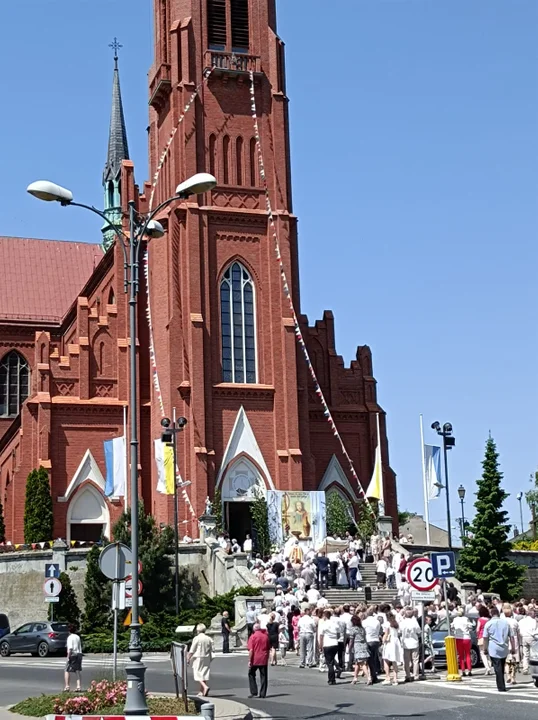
x: 420, y: 575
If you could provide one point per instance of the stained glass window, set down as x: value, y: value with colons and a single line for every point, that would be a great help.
x: 238, y: 326
x: 14, y: 384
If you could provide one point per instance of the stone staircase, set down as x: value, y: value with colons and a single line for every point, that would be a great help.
x: 343, y: 595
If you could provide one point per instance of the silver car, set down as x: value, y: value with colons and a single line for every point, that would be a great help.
x: 38, y: 638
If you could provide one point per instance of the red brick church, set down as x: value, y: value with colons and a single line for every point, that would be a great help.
x: 225, y: 345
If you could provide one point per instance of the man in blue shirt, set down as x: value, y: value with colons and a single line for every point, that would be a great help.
x: 498, y: 640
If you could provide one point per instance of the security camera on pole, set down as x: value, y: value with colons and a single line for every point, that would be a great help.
x: 168, y: 435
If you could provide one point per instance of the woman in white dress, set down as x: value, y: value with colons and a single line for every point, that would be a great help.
x: 392, y: 650
x: 201, y: 653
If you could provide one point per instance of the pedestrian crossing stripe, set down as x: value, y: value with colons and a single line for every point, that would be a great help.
x: 486, y: 687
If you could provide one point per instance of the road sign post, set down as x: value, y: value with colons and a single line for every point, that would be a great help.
x: 52, y: 570
x: 443, y: 564
x: 420, y: 575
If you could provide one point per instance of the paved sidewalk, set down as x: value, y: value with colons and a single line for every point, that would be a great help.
x: 5, y: 714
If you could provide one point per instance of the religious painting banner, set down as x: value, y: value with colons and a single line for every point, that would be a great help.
x: 296, y: 514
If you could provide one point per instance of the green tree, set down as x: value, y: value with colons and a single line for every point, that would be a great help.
x: 97, y: 596
x: 217, y: 511
x: 484, y: 557
x: 338, y: 514
x: 38, y: 516
x: 367, y: 523
x: 531, y: 496
x: 155, y: 548
x: 404, y: 516
x: 260, y: 526
x: 2, y: 524
x: 67, y: 608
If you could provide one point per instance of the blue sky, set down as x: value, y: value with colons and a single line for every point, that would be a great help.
x: 414, y: 135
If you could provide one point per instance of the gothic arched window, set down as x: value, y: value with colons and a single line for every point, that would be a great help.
x: 238, y: 326
x: 14, y: 384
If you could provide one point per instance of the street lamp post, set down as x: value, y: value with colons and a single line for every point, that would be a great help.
x: 169, y: 436
x: 448, y: 443
x: 519, y: 497
x: 461, y: 493
x: 140, y: 227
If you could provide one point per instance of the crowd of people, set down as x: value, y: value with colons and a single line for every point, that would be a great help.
x: 376, y: 640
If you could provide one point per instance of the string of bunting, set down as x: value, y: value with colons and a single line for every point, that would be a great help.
x: 47, y: 544
x: 152, y: 354
x: 287, y: 293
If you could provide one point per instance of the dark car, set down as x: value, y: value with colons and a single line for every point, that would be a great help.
x: 38, y: 638
x: 4, y: 625
x: 439, y: 633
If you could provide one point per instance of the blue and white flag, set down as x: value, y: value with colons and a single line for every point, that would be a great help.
x: 432, y: 471
x: 116, y: 467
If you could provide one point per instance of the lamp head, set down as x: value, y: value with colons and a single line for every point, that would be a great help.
x: 436, y: 426
x: 165, y: 422
x: 519, y: 495
x: 50, y: 192
x: 154, y: 229
x: 447, y: 429
x: 196, y: 185
x: 181, y: 422
x: 461, y: 492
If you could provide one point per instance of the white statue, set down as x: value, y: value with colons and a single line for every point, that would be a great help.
x: 208, y: 506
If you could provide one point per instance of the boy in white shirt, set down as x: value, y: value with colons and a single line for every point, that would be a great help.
x: 74, y: 657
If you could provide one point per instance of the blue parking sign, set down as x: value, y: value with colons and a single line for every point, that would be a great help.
x: 443, y: 564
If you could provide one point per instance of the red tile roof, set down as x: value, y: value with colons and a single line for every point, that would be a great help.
x: 40, y: 279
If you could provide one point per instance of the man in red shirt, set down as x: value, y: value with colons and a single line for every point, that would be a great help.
x: 258, y: 659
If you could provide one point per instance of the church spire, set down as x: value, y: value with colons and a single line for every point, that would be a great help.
x: 117, y: 139
x: 118, y: 150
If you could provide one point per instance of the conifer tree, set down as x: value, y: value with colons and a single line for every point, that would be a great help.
x: 97, y: 595
x: 484, y: 557
x: 338, y: 516
x: 66, y: 609
x: 261, y: 540
x: 2, y: 524
x: 155, y: 548
x: 38, y: 515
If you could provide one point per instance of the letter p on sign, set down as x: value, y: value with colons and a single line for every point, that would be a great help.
x: 443, y: 564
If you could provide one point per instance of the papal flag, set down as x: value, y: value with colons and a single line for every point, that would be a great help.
x: 164, y: 459
x: 432, y: 471
x: 375, y: 488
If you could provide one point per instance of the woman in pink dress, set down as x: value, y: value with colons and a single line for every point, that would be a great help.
x: 295, y: 625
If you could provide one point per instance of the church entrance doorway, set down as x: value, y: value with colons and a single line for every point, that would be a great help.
x: 238, y: 520
x: 88, y: 517
x: 90, y: 532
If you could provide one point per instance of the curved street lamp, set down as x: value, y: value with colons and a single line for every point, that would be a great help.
x: 139, y: 227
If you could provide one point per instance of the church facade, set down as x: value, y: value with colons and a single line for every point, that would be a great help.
x: 222, y: 331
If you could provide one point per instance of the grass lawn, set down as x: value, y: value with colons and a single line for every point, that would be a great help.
x: 44, y: 705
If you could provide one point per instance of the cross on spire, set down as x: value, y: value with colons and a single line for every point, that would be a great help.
x: 115, y: 45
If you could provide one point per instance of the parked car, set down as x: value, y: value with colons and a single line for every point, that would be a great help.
x: 38, y: 638
x: 4, y: 625
x: 439, y: 633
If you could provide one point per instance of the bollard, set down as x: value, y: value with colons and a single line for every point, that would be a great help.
x: 453, y: 674
x: 208, y: 711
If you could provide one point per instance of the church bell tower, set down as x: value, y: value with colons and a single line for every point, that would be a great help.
x: 225, y: 345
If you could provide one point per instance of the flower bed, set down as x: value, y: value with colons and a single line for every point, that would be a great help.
x: 102, y: 698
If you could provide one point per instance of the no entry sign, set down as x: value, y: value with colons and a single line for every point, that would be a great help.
x: 419, y: 575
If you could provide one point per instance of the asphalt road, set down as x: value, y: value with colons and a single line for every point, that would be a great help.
x: 295, y: 693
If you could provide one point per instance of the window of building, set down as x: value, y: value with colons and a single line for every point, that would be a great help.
x: 14, y: 384
x: 239, y: 160
x: 226, y: 159
x: 227, y: 22
x: 238, y: 326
